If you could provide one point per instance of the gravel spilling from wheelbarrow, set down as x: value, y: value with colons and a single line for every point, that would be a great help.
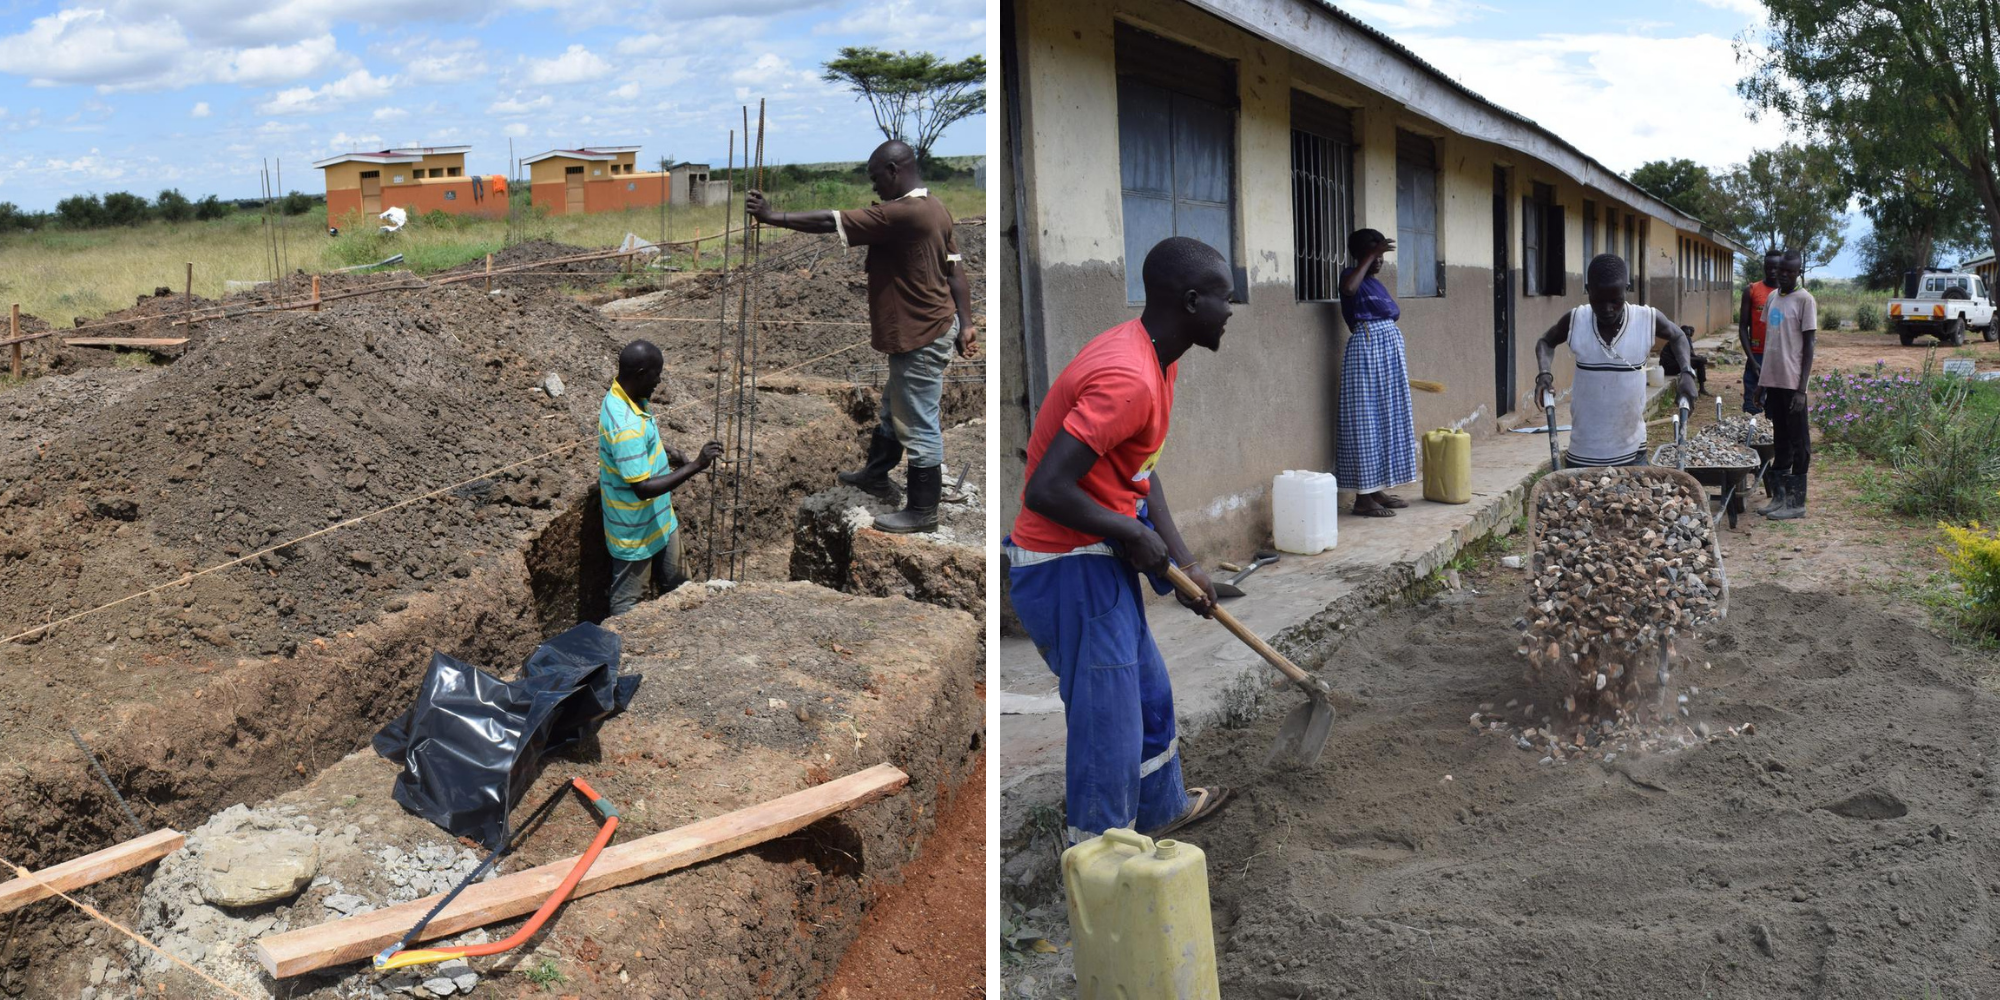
x: 1622, y: 566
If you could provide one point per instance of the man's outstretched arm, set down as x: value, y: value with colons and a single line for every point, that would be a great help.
x: 816, y: 221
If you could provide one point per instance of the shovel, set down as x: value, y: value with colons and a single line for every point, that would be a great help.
x: 1306, y: 729
x: 1229, y: 588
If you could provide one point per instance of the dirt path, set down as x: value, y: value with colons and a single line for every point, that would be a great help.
x: 1842, y: 850
x: 927, y: 936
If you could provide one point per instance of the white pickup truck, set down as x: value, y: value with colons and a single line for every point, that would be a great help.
x: 1946, y: 306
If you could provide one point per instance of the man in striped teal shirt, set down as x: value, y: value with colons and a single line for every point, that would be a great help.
x: 636, y: 475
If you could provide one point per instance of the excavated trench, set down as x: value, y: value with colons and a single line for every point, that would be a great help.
x: 247, y: 683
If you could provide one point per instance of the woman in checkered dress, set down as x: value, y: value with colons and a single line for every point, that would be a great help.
x: 1378, y: 436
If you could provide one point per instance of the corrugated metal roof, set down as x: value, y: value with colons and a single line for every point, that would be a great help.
x: 1403, y: 52
x: 587, y: 153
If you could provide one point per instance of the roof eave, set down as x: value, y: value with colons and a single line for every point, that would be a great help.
x: 1592, y: 174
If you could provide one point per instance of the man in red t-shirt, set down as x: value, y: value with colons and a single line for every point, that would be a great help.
x: 1093, y: 511
x: 1750, y: 328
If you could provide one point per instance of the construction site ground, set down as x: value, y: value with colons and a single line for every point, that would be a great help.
x: 1837, y: 848
x: 244, y: 683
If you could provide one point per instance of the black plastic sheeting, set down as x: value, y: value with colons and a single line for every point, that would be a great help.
x: 472, y: 744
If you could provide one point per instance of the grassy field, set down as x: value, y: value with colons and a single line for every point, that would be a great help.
x: 58, y: 275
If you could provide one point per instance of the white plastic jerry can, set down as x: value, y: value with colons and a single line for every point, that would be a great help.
x: 1305, y: 511
x: 1138, y: 911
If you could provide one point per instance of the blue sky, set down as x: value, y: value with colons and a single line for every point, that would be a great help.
x: 140, y: 95
x: 1625, y: 81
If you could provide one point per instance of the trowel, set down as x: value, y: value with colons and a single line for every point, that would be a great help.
x: 1229, y: 588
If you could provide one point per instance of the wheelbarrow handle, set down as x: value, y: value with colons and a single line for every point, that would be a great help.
x: 1251, y: 639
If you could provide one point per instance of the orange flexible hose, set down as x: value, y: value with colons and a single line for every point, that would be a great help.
x: 548, y: 908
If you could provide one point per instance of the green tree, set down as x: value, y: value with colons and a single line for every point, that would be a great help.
x: 123, y: 208
x: 1687, y: 186
x: 1914, y: 225
x: 173, y: 206
x: 914, y: 97
x: 210, y: 207
x: 1923, y: 79
x: 295, y: 203
x: 1792, y: 198
x: 80, y: 211
x: 11, y: 217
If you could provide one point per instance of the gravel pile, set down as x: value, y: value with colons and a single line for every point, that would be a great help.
x: 1707, y: 453
x: 1750, y: 428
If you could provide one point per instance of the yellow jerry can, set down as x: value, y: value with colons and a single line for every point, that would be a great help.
x: 1138, y: 910
x: 1448, y: 466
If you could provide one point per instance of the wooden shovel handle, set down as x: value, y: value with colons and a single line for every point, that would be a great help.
x: 1271, y: 656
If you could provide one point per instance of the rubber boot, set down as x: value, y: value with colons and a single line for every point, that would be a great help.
x: 1774, y: 484
x: 1795, y: 500
x: 925, y: 482
x: 884, y: 451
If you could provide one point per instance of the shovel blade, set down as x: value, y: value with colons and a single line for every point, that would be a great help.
x: 1304, y: 733
x: 1228, y: 590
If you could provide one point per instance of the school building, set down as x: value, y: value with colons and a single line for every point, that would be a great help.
x: 593, y: 179
x: 1987, y: 267
x: 1271, y: 129
x: 416, y: 179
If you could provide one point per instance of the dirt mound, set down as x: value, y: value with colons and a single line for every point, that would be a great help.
x: 810, y: 302
x: 1842, y: 850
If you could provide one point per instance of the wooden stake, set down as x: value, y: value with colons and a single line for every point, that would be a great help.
x: 89, y: 869
x: 308, y: 948
x: 489, y: 274
x: 14, y: 333
x: 190, y: 295
x: 315, y: 293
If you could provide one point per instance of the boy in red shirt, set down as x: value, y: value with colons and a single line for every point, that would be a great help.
x: 1750, y: 328
x: 1092, y: 513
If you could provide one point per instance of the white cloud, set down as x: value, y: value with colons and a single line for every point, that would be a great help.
x: 389, y: 114
x: 344, y: 143
x: 92, y: 47
x: 200, y: 110
x: 576, y: 65
x: 429, y: 61
x: 1751, y: 9
x: 901, y: 24
x: 91, y: 167
x: 629, y: 91
x: 515, y: 131
x: 1604, y: 93
x: 359, y: 85
x: 515, y: 106
x: 772, y: 71
x: 1403, y: 15
x: 270, y: 64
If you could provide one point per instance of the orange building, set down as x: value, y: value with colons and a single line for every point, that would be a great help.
x: 595, y: 179
x: 417, y: 180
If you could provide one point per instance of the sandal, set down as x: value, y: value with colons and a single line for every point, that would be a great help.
x: 1393, y: 503
x: 1375, y: 511
x: 1207, y: 802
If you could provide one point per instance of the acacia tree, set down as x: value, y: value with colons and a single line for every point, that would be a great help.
x: 1921, y: 77
x: 914, y: 97
x: 1792, y: 198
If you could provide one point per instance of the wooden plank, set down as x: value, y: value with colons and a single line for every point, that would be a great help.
x: 308, y: 948
x: 125, y: 341
x: 89, y: 869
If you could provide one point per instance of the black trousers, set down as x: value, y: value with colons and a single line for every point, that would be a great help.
x: 1791, y: 434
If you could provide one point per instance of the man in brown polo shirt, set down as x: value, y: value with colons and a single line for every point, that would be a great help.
x: 919, y: 308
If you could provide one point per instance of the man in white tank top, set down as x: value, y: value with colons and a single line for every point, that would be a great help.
x: 1611, y: 341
